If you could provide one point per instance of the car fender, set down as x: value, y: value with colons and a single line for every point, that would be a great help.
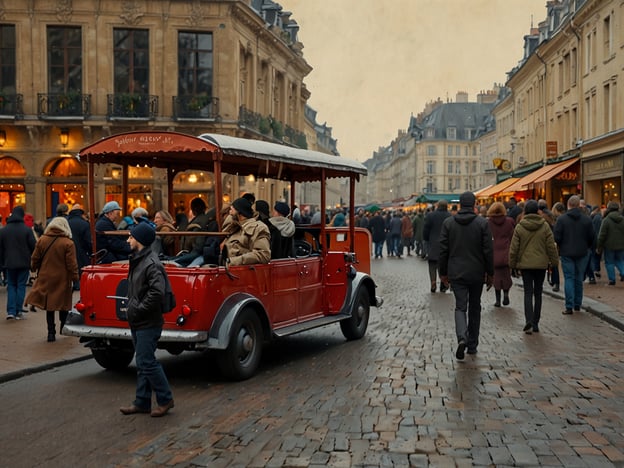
x: 359, y: 281
x: 220, y: 330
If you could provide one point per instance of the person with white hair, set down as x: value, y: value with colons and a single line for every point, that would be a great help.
x: 54, y: 260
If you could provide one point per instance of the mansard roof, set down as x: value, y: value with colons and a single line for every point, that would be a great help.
x: 458, y: 115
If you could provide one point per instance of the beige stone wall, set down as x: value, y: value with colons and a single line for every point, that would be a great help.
x: 253, y: 67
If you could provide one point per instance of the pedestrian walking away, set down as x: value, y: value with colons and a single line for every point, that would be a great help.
x: 574, y: 234
x: 146, y: 287
x: 17, y: 243
x: 532, y: 250
x: 611, y: 240
x: 431, y: 235
x: 54, y: 260
x: 502, y: 228
x: 466, y: 262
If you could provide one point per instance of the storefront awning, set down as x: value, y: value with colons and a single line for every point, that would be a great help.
x: 555, y: 170
x: 498, y: 188
x: 478, y: 192
x: 523, y: 183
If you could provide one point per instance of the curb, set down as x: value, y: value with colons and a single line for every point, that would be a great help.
x: 34, y: 370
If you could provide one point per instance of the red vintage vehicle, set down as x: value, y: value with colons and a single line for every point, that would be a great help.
x: 233, y: 310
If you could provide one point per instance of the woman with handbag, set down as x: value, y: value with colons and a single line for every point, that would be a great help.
x: 532, y: 249
x: 54, y: 260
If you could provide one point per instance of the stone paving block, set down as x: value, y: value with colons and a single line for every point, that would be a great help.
x: 522, y: 454
x: 501, y: 456
x: 614, y: 454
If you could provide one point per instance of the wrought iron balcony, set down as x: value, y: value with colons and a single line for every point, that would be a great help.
x: 271, y: 127
x: 128, y: 106
x: 63, y: 105
x: 195, y: 108
x: 11, y: 105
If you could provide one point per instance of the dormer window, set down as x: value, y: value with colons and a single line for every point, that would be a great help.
x: 451, y: 133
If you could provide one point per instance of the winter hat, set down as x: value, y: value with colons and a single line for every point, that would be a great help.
x: 144, y: 233
x: 111, y: 206
x: 243, y: 206
x: 262, y: 207
x: 18, y: 213
x: 282, y: 208
x: 531, y: 207
x: 467, y: 200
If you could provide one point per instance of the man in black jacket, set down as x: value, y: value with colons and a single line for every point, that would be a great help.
x: 431, y: 235
x: 467, y: 261
x: 574, y: 234
x: 17, y: 243
x: 146, y: 286
x: 115, y: 247
x: 81, y: 235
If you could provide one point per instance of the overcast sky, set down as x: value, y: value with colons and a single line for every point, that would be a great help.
x: 376, y: 62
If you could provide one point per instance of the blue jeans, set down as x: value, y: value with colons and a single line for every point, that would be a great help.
x: 150, y: 374
x: 573, y: 273
x: 614, y: 259
x: 468, y: 312
x: 379, y: 249
x: 396, y: 244
x: 17, y: 278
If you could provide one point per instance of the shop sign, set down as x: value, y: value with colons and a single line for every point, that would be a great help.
x: 551, y: 149
x: 568, y: 176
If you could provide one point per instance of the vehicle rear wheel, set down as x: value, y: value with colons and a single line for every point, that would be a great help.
x: 113, y: 357
x: 355, y: 326
x: 241, y: 358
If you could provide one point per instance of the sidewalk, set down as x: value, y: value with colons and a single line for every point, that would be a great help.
x: 24, y: 349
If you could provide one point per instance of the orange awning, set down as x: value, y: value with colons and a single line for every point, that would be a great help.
x: 523, y: 183
x: 478, y: 192
x: 555, y: 169
x: 498, y: 188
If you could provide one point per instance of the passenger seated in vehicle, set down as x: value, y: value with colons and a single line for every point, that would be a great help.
x: 282, y: 244
x: 250, y: 242
x: 195, y: 244
x: 164, y: 245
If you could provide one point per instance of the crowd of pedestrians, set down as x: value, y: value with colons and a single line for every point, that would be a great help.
x: 562, y: 246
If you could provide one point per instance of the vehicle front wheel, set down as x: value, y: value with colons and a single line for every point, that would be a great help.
x: 240, y: 360
x: 355, y: 326
x: 113, y: 358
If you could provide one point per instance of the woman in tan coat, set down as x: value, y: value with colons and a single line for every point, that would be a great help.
x: 54, y: 259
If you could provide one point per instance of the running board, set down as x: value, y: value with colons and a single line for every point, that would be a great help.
x: 309, y: 325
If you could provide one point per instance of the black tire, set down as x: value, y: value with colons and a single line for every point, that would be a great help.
x: 113, y: 358
x: 355, y: 326
x: 241, y: 358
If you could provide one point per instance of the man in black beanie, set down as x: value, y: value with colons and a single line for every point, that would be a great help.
x: 146, y: 286
x: 467, y: 261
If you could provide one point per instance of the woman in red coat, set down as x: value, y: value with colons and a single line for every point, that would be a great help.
x: 502, y: 228
x: 55, y: 260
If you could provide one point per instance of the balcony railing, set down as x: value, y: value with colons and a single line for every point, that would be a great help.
x: 271, y: 127
x: 127, y: 106
x: 63, y: 105
x: 195, y: 108
x: 11, y: 105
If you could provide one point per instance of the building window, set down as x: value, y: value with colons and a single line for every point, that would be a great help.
x: 431, y: 150
x: 195, y: 64
x: 449, y: 167
x: 573, y: 59
x: 430, y: 133
x: 131, y: 55
x: 431, y: 167
x: 7, y: 58
x: 457, y: 150
x: 449, y: 150
x: 64, y: 59
x: 451, y: 133
x: 607, y: 33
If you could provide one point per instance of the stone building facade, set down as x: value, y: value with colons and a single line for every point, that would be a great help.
x: 74, y: 71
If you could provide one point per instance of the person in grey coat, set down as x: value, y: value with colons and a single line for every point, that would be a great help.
x: 611, y: 240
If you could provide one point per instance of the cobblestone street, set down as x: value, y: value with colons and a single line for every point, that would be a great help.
x: 398, y: 397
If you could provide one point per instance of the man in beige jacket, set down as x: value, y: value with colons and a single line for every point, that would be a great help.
x: 251, y: 242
